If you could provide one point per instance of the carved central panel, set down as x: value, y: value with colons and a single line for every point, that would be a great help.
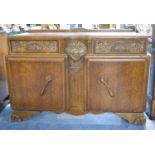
x: 76, y: 50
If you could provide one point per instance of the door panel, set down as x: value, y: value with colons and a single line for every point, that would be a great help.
x: 117, y: 85
x: 37, y: 83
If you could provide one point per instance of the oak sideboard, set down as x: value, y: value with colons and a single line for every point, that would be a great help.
x: 78, y: 73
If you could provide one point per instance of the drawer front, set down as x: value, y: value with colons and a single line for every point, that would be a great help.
x: 117, y: 85
x: 37, y: 83
x: 122, y: 46
x: 49, y: 46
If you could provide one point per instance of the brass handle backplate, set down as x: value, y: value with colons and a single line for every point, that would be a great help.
x: 48, y: 79
x: 105, y: 83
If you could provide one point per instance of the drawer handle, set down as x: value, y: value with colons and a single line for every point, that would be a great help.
x: 104, y: 82
x: 48, y: 79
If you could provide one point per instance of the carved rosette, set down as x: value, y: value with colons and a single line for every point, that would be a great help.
x: 34, y: 46
x: 75, y: 50
x: 120, y: 45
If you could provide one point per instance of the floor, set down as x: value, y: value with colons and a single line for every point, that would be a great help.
x: 64, y: 121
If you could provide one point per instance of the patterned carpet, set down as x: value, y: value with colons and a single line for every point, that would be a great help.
x: 64, y: 121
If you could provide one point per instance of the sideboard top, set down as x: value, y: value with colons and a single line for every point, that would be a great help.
x: 72, y: 35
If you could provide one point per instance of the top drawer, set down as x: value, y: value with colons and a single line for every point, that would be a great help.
x: 48, y: 46
x: 120, y: 45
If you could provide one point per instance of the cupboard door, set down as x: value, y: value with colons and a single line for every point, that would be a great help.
x: 37, y: 83
x: 117, y: 85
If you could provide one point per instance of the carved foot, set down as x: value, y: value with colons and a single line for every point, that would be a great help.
x: 135, y: 118
x: 22, y: 115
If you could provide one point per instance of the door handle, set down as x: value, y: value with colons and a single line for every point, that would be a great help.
x: 103, y: 80
x: 48, y: 79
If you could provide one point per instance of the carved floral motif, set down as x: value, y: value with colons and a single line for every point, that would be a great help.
x: 34, y: 46
x: 118, y: 45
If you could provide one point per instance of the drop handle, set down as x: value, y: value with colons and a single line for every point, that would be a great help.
x: 105, y: 83
x: 48, y: 79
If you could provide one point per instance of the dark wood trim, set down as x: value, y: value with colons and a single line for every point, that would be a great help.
x: 152, y: 110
